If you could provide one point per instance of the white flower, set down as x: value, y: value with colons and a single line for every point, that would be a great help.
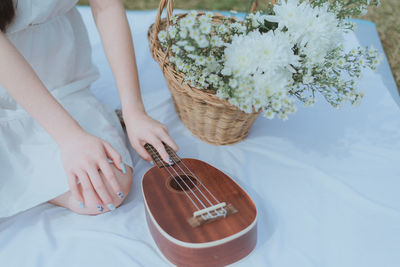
x: 187, y: 22
x: 189, y: 48
x: 192, y: 14
x: 202, y: 81
x: 216, y: 41
x: 233, y: 83
x: 308, y: 78
x: 276, y: 105
x: 172, y: 31
x: 194, y: 34
x: 200, y: 60
x: 256, y: 52
x: 222, y: 29
x: 213, y: 79
x: 202, y: 41
x: 183, y: 33
x: 179, y: 63
x: 269, y: 114
x: 314, y: 29
x: 182, y: 43
x: 205, y: 27
x: 175, y: 49
x: 209, y: 15
x: 283, y: 116
x: 174, y: 18
x: 162, y: 36
x: 240, y: 28
x: 204, y: 19
x: 226, y: 71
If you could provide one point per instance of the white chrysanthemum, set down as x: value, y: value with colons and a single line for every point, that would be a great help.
x: 256, y: 52
x: 314, y: 29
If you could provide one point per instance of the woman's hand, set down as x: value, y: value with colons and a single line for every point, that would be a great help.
x: 84, y: 156
x: 142, y: 129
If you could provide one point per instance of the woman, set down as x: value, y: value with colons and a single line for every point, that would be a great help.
x: 57, y: 142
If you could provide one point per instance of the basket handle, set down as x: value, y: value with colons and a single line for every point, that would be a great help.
x: 169, y: 4
x: 254, y: 5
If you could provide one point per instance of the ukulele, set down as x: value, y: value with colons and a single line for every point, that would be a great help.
x: 197, y: 215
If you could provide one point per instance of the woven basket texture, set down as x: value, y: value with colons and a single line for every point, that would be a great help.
x: 208, y: 117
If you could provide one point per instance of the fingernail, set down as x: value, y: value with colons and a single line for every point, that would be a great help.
x: 100, y: 208
x: 81, y: 204
x: 120, y: 195
x: 111, y: 206
x: 123, y: 168
x: 170, y: 161
x: 109, y: 160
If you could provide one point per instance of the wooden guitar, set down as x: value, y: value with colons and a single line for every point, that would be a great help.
x: 197, y: 215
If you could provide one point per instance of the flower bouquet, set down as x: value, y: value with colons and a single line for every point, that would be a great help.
x: 266, y: 62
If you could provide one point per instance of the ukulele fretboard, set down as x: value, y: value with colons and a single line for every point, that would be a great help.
x: 157, y: 158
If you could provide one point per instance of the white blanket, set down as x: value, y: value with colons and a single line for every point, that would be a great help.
x: 325, y: 182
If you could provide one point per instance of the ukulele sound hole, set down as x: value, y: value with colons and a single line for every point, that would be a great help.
x: 183, y: 183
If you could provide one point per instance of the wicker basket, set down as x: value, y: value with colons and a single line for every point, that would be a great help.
x: 213, y: 120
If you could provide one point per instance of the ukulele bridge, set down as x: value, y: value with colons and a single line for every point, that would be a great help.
x: 210, y: 214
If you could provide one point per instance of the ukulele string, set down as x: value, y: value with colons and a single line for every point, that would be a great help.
x: 191, y: 181
x: 166, y: 167
x: 195, y: 176
x: 208, y: 212
x: 223, y: 211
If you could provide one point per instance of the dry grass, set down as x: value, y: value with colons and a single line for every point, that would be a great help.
x: 386, y: 17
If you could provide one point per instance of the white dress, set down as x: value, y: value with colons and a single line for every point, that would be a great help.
x: 51, y: 35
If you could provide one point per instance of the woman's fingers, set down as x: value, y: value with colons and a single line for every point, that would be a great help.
x: 142, y: 152
x: 73, y: 187
x: 100, y: 187
x: 111, y: 179
x: 169, y: 141
x: 115, y: 156
x: 156, y: 143
x: 90, y: 196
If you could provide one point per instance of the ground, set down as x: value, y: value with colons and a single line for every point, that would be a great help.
x: 386, y: 17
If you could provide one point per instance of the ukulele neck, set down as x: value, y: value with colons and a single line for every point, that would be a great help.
x: 157, y: 158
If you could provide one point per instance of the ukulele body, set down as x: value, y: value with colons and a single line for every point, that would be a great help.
x: 216, y: 242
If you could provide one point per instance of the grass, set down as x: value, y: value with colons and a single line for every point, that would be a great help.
x: 386, y: 17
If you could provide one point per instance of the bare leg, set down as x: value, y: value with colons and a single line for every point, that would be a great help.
x: 66, y: 200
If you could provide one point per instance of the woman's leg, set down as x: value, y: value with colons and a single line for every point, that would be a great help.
x: 66, y: 200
